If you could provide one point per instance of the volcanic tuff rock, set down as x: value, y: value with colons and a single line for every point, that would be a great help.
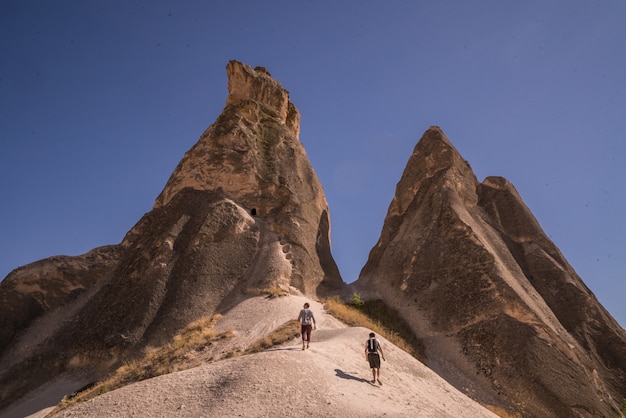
x: 499, y: 311
x: 243, y: 209
x: 253, y: 155
x: 42, y: 286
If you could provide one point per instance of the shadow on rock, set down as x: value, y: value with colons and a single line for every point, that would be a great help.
x: 344, y: 375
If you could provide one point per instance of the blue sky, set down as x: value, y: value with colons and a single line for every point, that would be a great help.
x: 99, y: 101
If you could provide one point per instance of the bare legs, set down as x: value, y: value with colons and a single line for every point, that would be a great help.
x: 306, y: 336
x: 376, y: 376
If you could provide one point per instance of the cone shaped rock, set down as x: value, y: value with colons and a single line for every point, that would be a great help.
x: 498, y: 311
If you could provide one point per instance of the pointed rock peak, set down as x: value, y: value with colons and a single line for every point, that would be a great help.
x: 433, y: 154
x: 500, y: 183
x: 251, y: 154
x: 437, y: 149
x: 493, y: 186
x: 506, y: 209
x: 247, y: 83
x: 435, y: 134
x: 487, y: 293
x: 244, y: 82
x: 496, y: 189
x: 239, y: 153
x: 434, y: 159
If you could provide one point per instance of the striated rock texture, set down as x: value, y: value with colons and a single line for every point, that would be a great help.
x: 43, y: 286
x: 243, y: 209
x: 252, y: 154
x: 500, y: 312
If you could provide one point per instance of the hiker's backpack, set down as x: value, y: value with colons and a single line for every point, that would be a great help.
x: 372, y: 345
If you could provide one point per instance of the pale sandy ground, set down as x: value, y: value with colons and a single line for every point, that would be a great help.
x: 331, y: 379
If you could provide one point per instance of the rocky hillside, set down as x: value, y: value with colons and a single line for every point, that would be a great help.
x: 243, y: 210
x: 494, y: 307
x: 330, y: 379
x: 500, y: 312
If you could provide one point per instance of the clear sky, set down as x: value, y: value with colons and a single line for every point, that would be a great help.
x: 99, y: 100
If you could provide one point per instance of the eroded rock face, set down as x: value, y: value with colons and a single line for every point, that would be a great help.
x: 500, y: 312
x: 31, y: 291
x: 242, y: 210
x: 252, y: 153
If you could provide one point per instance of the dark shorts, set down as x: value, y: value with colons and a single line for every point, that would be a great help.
x: 306, y: 332
x: 374, y: 359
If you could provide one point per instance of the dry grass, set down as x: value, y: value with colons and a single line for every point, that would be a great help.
x: 385, y: 321
x: 503, y: 413
x: 378, y: 317
x: 286, y: 332
x: 270, y: 292
x: 169, y: 358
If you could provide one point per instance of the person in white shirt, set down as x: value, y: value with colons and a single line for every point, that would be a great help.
x: 307, y: 319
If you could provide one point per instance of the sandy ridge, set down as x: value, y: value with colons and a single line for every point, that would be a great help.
x: 328, y: 380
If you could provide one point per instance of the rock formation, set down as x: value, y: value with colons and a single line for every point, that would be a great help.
x: 243, y: 209
x: 252, y: 154
x: 500, y: 312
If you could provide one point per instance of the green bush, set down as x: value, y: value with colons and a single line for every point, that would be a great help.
x: 357, y: 301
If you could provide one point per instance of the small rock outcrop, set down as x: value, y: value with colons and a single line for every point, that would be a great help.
x: 499, y: 311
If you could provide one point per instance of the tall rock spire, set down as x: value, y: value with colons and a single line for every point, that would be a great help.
x: 499, y: 311
x: 242, y: 151
x: 252, y: 154
x: 243, y: 210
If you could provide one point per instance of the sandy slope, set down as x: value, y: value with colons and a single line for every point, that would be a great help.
x: 329, y: 379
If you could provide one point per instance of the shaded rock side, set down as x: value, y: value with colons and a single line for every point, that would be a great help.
x: 41, y: 287
x: 499, y: 311
x: 243, y: 210
x: 192, y: 258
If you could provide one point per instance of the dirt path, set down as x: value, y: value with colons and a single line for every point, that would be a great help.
x: 328, y: 380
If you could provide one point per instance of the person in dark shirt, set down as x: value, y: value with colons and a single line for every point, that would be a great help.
x: 373, y: 353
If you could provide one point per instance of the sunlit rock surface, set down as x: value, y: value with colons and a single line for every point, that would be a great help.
x: 500, y: 312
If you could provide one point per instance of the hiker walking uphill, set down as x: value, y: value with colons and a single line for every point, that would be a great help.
x: 372, y: 350
x: 307, y: 319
